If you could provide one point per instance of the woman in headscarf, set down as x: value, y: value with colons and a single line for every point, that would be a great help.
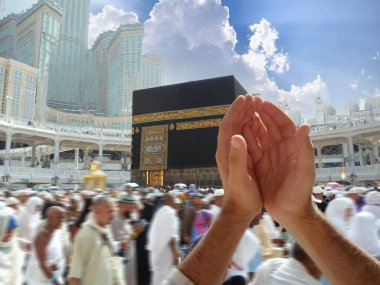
x: 11, y: 257
x: 364, y: 233
x: 30, y: 218
x: 340, y: 212
x: 373, y: 204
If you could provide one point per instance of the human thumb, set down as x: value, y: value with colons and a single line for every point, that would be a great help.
x: 304, y: 145
x: 305, y: 160
x: 238, y: 160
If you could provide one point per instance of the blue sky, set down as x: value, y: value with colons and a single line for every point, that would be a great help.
x: 331, y: 47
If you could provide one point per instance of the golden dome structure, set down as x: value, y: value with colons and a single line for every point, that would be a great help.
x: 96, y: 178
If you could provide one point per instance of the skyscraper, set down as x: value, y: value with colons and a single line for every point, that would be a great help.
x: 119, y: 68
x: 124, y: 62
x: 98, y: 55
x: 37, y: 36
x: 67, y: 76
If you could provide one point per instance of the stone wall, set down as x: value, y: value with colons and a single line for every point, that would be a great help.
x: 138, y: 177
x: 203, y: 177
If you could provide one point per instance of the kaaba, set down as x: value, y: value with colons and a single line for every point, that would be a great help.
x: 175, y: 128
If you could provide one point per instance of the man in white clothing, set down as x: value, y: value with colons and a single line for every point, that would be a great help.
x: 163, y: 241
x: 47, y: 262
x: 122, y: 228
x: 218, y: 203
x: 92, y: 261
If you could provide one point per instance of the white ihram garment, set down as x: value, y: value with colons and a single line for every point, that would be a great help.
x: 11, y: 257
x: 30, y: 218
x: 292, y: 272
x: 163, y: 228
x: 364, y: 233
x: 54, y: 256
x: 245, y: 251
x: 282, y: 271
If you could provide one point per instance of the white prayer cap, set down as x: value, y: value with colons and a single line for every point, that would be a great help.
x: 218, y: 192
x: 357, y: 190
x: 317, y: 190
x: 11, y: 201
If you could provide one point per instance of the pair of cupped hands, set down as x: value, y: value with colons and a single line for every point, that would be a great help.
x: 265, y: 161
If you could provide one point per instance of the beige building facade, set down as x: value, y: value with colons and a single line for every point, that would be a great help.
x: 18, y: 87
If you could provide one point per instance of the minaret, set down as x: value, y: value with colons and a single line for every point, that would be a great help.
x: 320, y: 110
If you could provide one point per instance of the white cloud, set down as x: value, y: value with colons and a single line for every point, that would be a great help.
x: 362, y: 71
x: 354, y: 85
x: 302, y: 98
x: 110, y: 18
x: 365, y: 93
x: 376, y: 56
x: 196, y: 41
x: 279, y: 63
x: 316, y: 86
x: 198, y: 23
x: 263, y: 38
x: 374, y: 93
x: 263, y: 51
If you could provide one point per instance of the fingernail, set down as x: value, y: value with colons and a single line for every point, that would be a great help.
x: 234, y: 143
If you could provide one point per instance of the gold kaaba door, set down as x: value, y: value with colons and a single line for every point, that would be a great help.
x: 155, y: 177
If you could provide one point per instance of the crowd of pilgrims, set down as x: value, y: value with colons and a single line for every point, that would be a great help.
x: 74, y: 237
